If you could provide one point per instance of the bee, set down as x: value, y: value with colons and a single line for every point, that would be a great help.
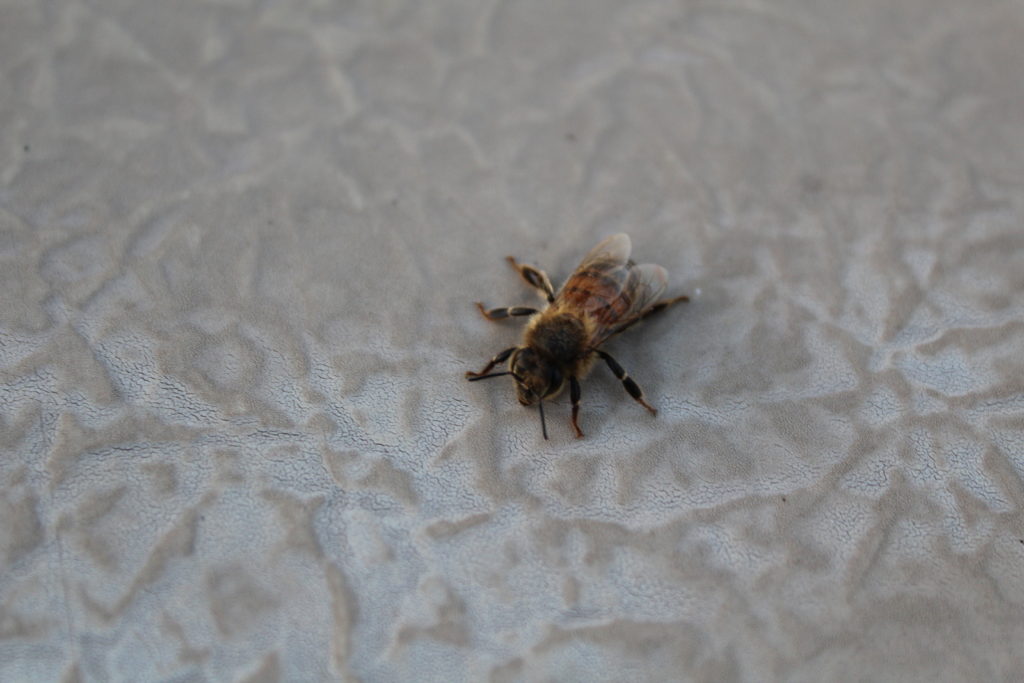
x: 606, y: 295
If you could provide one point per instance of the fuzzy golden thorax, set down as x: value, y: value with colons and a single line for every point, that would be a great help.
x: 554, y: 347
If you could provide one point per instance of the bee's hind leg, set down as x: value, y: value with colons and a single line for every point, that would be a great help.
x: 653, y: 309
x: 662, y: 305
x: 632, y: 387
x: 504, y: 312
x: 534, y: 277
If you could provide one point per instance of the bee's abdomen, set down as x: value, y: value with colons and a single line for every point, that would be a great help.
x: 561, y: 337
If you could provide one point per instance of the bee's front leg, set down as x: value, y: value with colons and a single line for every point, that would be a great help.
x: 500, y: 358
x: 504, y: 312
x: 574, y: 395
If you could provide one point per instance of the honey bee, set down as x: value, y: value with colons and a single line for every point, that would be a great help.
x: 606, y: 294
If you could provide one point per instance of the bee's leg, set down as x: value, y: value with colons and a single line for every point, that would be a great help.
x: 504, y: 312
x: 535, y: 278
x: 660, y: 306
x: 648, y: 312
x: 500, y: 358
x: 632, y: 387
x: 574, y: 394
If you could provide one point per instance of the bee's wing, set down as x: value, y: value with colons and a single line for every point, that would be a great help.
x: 614, y: 250
x: 599, y: 279
x: 648, y: 282
x: 610, y: 288
x: 643, y: 286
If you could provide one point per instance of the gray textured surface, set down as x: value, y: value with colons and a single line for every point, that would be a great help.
x: 239, y: 245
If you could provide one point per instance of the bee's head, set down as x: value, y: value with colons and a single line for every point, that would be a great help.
x: 536, y: 376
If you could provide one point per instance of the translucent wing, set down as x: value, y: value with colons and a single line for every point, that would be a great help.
x: 611, y: 289
x: 647, y: 282
x: 599, y: 279
x: 614, y: 249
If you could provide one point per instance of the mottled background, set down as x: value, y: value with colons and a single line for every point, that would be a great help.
x: 239, y: 246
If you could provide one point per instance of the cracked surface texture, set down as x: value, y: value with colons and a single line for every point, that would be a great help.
x: 239, y: 248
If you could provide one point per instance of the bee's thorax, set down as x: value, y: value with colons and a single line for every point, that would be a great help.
x: 560, y: 337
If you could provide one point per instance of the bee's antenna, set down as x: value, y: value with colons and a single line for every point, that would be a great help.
x: 493, y: 374
x: 543, y: 424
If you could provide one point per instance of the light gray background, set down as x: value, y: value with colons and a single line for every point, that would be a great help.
x: 239, y: 246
